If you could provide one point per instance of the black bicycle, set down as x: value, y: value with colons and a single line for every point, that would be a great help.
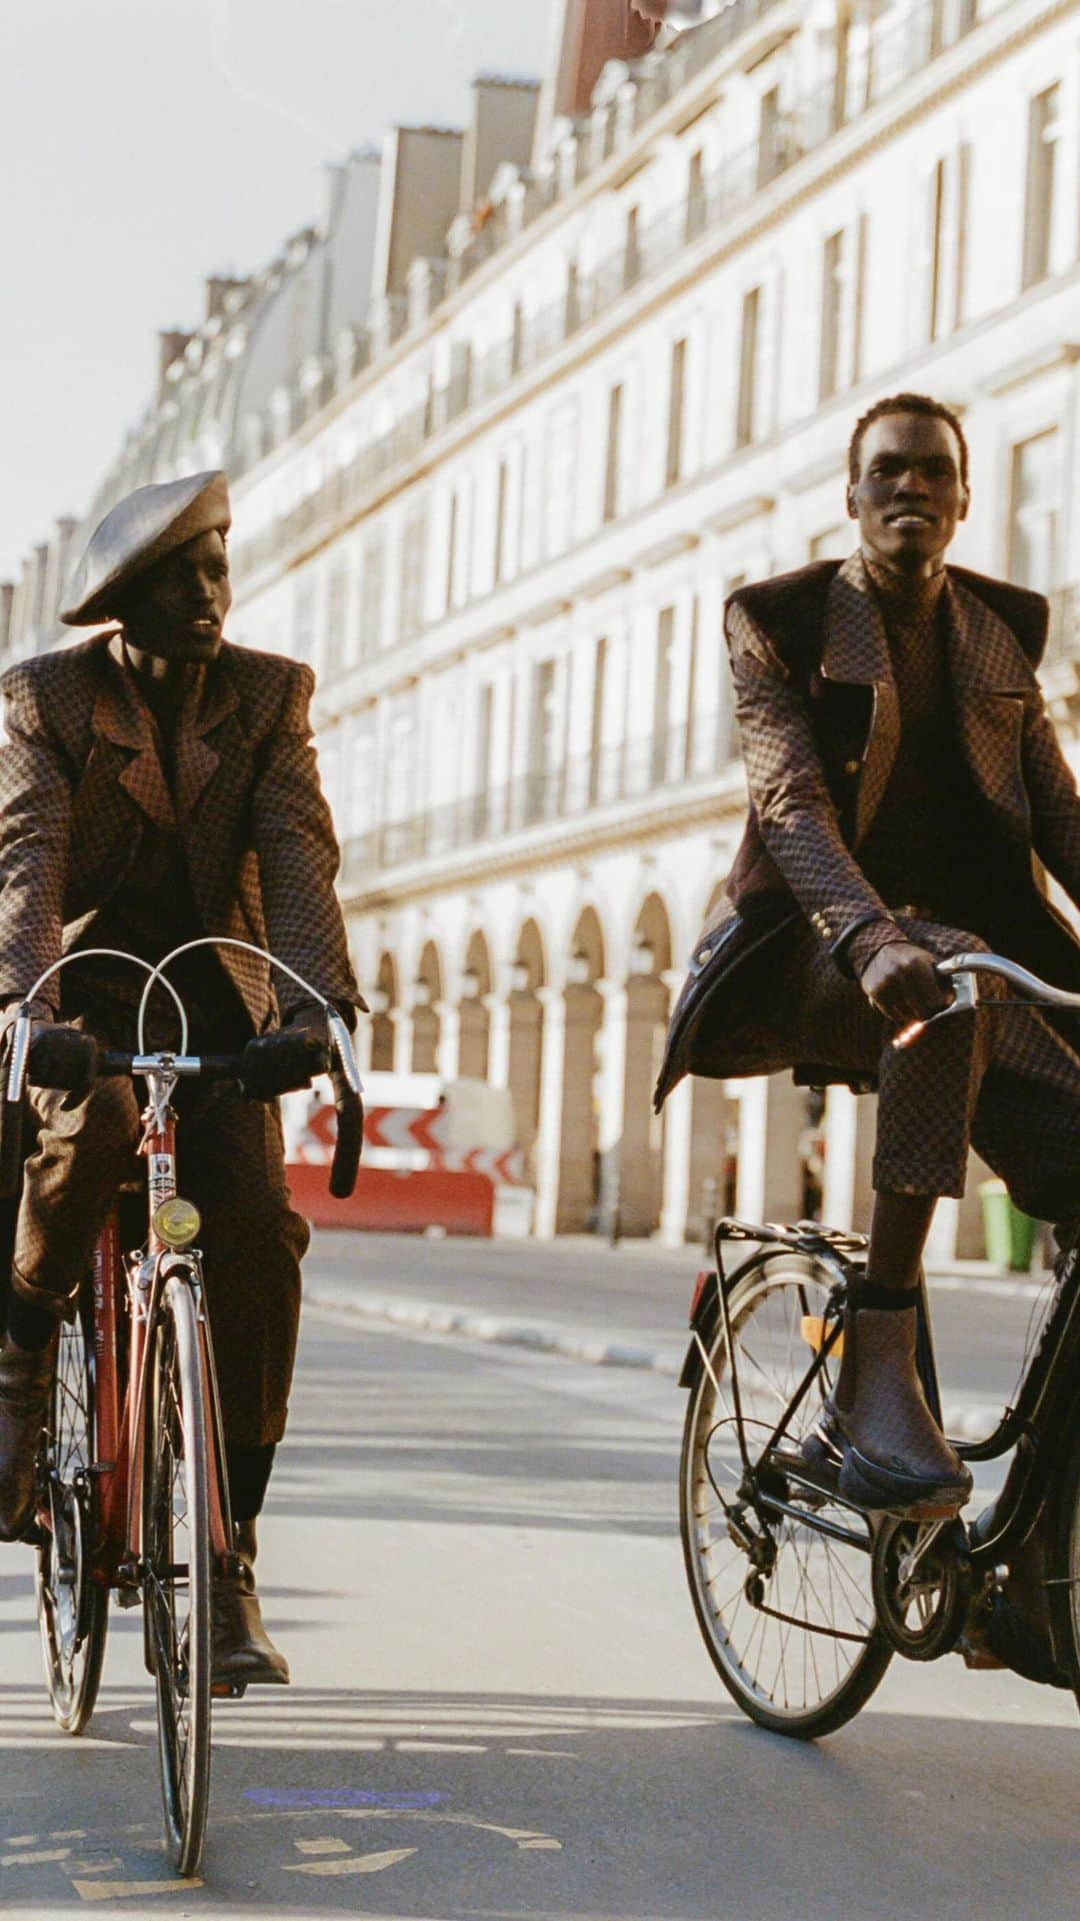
x: 802, y: 1597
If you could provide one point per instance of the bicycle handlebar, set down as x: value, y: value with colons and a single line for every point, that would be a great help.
x: 344, y: 1074
x: 962, y: 971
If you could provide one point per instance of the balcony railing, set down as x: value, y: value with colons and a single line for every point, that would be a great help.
x: 659, y: 761
x: 890, y: 58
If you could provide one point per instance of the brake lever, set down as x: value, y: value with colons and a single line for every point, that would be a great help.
x: 965, y: 988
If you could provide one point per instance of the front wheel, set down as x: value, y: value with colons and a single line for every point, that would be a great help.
x: 1064, y: 1567
x: 783, y: 1599
x: 72, y: 1605
x: 176, y: 1561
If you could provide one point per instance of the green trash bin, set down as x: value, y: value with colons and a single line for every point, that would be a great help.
x: 1009, y: 1234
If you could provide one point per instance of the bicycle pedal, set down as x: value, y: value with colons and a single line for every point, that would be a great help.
x: 228, y: 1690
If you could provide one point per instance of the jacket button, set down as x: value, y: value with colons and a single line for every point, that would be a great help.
x: 851, y: 767
x: 703, y: 955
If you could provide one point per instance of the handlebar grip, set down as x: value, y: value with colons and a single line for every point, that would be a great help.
x: 350, y: 1138
x: 11, y: 1139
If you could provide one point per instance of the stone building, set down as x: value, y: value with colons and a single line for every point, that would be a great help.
x: 615, y: 376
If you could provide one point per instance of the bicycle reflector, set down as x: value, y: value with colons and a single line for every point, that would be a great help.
x: 176, y: 1222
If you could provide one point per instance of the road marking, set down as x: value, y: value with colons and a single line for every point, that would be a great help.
x: 28, y: 1860
x: 440, y: 1747
x: 548, y: 1754
x: 324, y: 1844
x: 353, y: 1863
x: 123, y: 1890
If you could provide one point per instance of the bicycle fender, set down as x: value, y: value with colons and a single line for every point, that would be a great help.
x: 704, y: 1315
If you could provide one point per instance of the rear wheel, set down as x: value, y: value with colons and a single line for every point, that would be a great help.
x: 176, y: 1558
x: 72, y: 1607
x: 786, y: 1609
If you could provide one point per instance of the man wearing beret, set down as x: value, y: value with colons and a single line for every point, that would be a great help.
x: 157, y: 785
x: 904, y: 775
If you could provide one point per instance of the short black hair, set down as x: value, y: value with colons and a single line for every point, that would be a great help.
x: 906, y: 404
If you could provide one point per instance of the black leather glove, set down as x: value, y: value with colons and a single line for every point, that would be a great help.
x: 278, y: 1063
x: 61, y: 1057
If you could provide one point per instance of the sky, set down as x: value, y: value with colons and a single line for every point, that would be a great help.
x: 145, y: 144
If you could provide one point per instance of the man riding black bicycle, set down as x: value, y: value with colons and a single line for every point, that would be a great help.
x: 903, y: 772
x: 157, y: 785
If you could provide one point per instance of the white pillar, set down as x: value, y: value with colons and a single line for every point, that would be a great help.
x: 841, y: 1117
x: 447, y: 1057
x: 403, y: 1029
x: 612, y: 1065
x: 549, y: 1136
x: 753, y: 1126
x: 678, y: 1128
x: 498, y: 1012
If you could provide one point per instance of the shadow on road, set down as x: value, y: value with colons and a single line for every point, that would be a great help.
x: 442, y: 1805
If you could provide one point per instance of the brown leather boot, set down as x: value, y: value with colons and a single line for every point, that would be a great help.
x: 242, y: 1653
x: 892, y: 1452
x: 25, y: 1381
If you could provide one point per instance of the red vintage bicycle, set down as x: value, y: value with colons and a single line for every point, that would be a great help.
x: 132, y: 1492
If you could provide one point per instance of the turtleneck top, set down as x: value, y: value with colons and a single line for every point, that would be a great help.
x: 917, y: 853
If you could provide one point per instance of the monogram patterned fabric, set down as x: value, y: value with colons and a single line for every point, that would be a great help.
x: 80, y: 774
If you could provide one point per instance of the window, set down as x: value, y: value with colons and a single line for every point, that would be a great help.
x: 1044, y: 129
x: 484, y: 737
x: 944, y: 250
x: 614, y: 449
x: 399, y: 798
x: 935, y: 288
x: 696, y: 201
x: 572, y: 315
x: 461, y: 376
x: 336, y: 598
x: 676, y: 414
x: 372, y: 582
x: 632, y: 249
x: 451, y: 553
x: 749, y: 341
x: 665, y: 667
x: 770, y: 137
x: 501, y: 492
x: 542, y: 797
x: 596, y: 732
x: 1035, y: 512
x: 304, y: 620
x: 413, y: 572
x: 832, y: 305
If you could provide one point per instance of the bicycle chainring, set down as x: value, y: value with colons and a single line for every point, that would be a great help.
x: 921, y: 1581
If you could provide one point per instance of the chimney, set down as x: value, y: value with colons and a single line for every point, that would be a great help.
x: 218, y: 288
x: 171, y: 344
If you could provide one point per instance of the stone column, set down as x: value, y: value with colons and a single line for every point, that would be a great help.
x: 613, y: 1034
x: 841, y: 1122
x: 447, y: 1049
x: 549, y: 1136
x: 678, y: 1129
x: 401, y: 1021
x: 498, y: 1013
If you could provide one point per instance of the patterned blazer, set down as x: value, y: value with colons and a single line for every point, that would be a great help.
x: 79, y: 772
x: 820, y: 724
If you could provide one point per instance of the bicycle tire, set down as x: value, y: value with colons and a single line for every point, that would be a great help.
x: 1064, y: 1568
x: 72, y: 1605
x: 745, y: 1641
x: 175, y: 1515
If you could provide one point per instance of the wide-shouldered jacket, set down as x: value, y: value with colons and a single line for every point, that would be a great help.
x: 820, y: 726
x: 80, y: 773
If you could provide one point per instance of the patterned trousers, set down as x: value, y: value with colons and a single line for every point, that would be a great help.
x: 1000, y: 1079
x: 231, y: 1163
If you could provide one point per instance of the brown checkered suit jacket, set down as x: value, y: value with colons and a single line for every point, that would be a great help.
x: 820, y: 723
x: 79, y: 771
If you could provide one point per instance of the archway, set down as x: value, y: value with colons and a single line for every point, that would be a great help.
x: 427, y: 993
x: 474, y: 1033
x: 383, y: 1003
x: 527, y: 978
x: 579, y: 1159
x: 636, y: 1167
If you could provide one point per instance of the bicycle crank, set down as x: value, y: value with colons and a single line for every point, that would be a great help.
x: 921, y: 1582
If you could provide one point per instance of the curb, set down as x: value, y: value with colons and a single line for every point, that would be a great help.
x: 965, y: 1420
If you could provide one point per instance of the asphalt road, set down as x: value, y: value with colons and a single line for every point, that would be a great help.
x: 500, y: 1704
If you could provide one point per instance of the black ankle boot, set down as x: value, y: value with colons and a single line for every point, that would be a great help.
x: 242, y: 1653
x: 25, y: 1382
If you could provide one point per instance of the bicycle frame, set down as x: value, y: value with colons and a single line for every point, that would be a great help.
x: 120, y: 1388
x: 1047, y: 1392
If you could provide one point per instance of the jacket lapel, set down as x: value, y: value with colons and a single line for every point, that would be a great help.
x: 122, y: 720
x: 209, y: 703
x: 856, y: 650
x: 991, y: 678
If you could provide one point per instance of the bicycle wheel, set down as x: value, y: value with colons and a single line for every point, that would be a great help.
x: 176, y: 1579
x: 72, y: 1607
x: 1064, y: 1569
x: 786, y: 1610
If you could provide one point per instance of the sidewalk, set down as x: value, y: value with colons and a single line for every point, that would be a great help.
x: 613, y: 1307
